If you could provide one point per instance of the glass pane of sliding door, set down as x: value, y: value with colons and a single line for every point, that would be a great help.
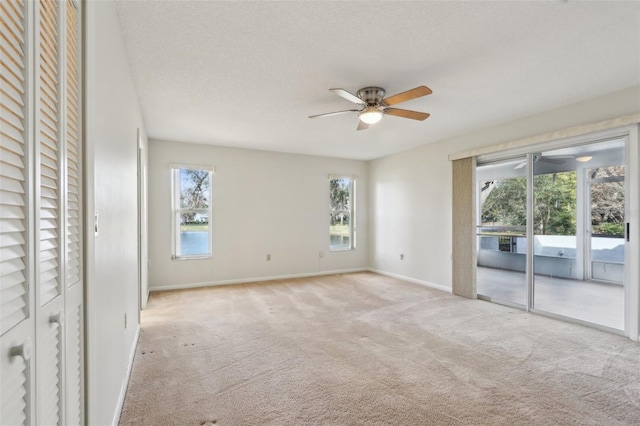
x: 606, y: 213
x: 578, y: 212
x: 501, y: 231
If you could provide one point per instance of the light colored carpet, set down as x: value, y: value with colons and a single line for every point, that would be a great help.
x: 367, y: 349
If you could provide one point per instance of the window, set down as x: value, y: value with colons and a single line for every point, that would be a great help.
x: 342, y: 218
x: 191, y: 198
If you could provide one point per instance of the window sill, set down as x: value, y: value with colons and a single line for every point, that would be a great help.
x: 207, y: 256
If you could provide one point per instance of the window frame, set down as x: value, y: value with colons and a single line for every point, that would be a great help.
x: 177, y: 210
x: 351, y: 211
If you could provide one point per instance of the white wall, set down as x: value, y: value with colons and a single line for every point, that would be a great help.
x: 410, y: 192
x: 112, y: 118
x: 263, y: 203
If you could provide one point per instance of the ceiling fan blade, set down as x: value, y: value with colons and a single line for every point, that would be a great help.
x: 348, y: 96
x: 405, y: 113
x: 327, y: 114
x: 551, y: 160
x: 362, y: 125
x: 560, y: 157
x: 407, y: 96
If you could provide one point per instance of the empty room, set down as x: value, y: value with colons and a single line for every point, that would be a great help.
x: 319, y: 212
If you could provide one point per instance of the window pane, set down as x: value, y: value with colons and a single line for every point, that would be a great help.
x: 578, y: 233
x: 194, y: 234
x: 191, y: 192
x: 606, y: 172
x: 194, y: 189
x: 339, y: 194
x: 607, y: 209
x: 502, y: 241
x: 554, y: 209
x: 339, y: 231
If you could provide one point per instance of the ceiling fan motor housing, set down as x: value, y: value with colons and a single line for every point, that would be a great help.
x: 371, y: 95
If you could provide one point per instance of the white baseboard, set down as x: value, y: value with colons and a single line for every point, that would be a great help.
x: 411, y: 280
x: 255, y: 279
x: 125, y: 384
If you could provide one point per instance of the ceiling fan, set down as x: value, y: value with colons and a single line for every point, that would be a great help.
x: 552, y: 159
x: 374, y: 105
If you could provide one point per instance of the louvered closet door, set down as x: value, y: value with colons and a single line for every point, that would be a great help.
x: 49, y: 225
x: 74, y: 378
x: 41, y: 361
x: 17, y: 332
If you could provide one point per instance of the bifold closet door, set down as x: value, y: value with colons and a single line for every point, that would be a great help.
x: 17, y: 328
x: 73, y: 273
x: 48, y: 236
x: 40, y: 233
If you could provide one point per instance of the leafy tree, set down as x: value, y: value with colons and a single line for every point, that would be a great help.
x: 613, y: 229
x: 506, y: 203
x: 607, y: 202
x: 339, y: 198
x: 339, y: 194
x: 554, y: 207
x: 194, y: 191
x: 555, y: 204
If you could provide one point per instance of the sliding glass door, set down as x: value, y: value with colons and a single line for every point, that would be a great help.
x: 578, y: 209
x: 559, y: 285
x: 575, y: 268
x: 501, y: 233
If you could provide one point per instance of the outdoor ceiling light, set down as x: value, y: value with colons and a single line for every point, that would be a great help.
x: 584, y: 159
x: 370, y: 115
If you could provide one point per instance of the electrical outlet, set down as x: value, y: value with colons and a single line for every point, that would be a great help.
x: 268, y: 258
x: 402, y: 256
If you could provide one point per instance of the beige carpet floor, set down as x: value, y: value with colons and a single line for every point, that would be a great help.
x: 363, y: 349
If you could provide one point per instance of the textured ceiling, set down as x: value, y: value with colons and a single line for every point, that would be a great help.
x: 247, y: 74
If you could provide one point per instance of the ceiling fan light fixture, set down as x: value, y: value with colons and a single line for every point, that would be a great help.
x: 584, y: 159
x: 370, y: 115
